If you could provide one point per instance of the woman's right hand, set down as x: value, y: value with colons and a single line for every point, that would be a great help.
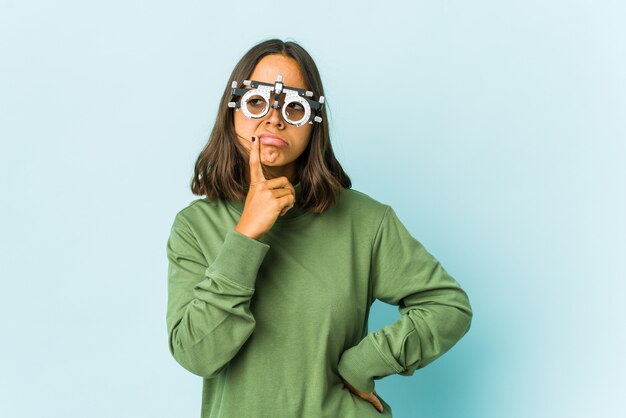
x: 266, y: 199
x: 371, y: 397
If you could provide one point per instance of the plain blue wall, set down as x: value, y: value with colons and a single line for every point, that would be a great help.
x: 495, y: 129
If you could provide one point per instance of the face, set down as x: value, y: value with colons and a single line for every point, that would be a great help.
x: 278, y: 158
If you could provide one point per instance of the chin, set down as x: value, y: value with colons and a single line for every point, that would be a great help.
x: 276, y: 163
x: 279, y: 161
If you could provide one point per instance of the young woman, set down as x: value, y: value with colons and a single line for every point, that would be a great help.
x: 272, y: 274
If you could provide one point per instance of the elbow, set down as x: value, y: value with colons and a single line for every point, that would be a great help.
x: 204, y: 369
x: 457, y: 324
x: 466, y: 321
x: 197, y: 364
x: 194, y: 358
x: 469, y: 312
x: 458, y: 315
x: 464, y: 314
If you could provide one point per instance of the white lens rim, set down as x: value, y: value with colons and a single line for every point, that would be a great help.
x: 265, y: 94
x: 290, y: 97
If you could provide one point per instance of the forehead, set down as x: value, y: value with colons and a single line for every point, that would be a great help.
x: 268, y: 68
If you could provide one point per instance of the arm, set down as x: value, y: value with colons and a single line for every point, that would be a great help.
x: 208, y: 308
x: 434, y: 311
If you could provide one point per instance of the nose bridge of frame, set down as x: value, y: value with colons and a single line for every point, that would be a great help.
x: 270, y: 103
x: 277, y: 109
x: 281, y: 100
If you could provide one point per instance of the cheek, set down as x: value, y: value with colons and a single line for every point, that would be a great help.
x: 243, y: 130
x: 244, y: 124
x: 307, y: 138
x: 303, y: 143
x: 239, y: 123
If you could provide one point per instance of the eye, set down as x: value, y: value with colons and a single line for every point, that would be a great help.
x: 296, y: 107
x: 256, y: 105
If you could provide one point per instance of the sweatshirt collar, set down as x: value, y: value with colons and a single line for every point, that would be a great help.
x: 294, y: 212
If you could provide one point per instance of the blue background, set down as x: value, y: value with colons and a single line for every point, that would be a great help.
x: 494, y: 129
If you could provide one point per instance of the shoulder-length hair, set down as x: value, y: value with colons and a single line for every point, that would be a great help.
x: 219, y: 169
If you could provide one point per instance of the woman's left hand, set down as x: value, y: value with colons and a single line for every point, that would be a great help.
x: 371, y: 397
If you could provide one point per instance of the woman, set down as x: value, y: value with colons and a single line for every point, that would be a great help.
x: 272, y: 275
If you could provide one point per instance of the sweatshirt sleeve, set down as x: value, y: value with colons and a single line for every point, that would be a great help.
x: 208, y: 307
x: 434, y: 311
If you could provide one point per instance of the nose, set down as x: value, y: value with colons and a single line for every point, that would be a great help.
x: 275, y: 116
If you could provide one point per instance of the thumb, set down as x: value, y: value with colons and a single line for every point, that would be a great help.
x: 376, y: 402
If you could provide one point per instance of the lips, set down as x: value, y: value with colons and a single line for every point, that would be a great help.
x: 272, y: 140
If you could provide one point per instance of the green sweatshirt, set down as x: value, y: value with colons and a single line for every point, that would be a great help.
x: 271, y: 325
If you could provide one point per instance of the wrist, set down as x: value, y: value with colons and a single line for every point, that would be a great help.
x: 249, y: 234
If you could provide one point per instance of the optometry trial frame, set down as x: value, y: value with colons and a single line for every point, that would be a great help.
x: 297, y: 108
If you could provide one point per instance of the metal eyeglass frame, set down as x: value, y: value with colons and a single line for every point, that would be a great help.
x: 264, y: 90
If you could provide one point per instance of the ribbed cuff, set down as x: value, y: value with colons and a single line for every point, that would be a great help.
x: 359, y: 365
x: 239, y: 259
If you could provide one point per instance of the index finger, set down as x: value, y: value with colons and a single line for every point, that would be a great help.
x: 256, y: 171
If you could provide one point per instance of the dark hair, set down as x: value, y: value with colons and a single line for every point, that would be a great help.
x: 219, y: 169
